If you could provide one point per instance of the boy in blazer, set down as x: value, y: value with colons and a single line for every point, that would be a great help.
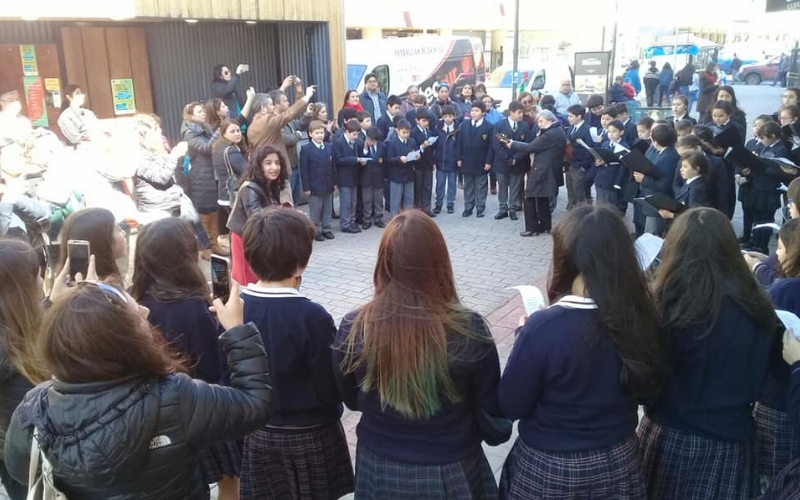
x: 509, y: 165
x: 318, y: 176
x: 423, y: 170
x: 373, y: 177
x: 345, y: 154
x: 400, y: 168
x: 386, y: 122
x: 445, y: 156
x: 474, y: 146
x: 581, y: 166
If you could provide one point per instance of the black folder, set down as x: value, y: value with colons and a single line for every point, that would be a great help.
x: 661, y: 201
x: 781, y: 167
x: 791, y: 131
x: 641, y: 145
x: 727, y: 138
x: 637, y: 162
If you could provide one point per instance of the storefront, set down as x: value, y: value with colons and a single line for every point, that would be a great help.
x: 162, y: 56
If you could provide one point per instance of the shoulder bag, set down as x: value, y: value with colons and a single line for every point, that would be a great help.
x: 41, y: 487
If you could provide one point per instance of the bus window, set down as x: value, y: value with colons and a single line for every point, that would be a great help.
x: 539, y: 80
x: 355, y: 74
x: 382, y: 72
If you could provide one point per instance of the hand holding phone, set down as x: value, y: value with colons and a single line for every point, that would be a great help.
x: 78, y: 252
x: 220, y: 278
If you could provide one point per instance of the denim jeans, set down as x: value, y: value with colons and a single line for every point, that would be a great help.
x: 446, y: 183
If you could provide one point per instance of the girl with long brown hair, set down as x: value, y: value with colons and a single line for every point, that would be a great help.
x: 106, y: 241
x: 119, y: 418
x: 420, y: 367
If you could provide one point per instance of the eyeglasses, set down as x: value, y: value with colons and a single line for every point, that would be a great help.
x: 109, y: 292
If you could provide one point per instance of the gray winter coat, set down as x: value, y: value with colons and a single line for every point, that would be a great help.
x: 140, y: 439
x: 202, y: 182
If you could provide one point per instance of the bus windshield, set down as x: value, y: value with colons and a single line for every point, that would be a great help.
x: 355, y: 72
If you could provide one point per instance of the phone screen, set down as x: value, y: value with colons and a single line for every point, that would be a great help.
x: 220, y: 278
x: 78, y: 252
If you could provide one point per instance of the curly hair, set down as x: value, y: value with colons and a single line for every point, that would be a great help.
x: 255, y: 171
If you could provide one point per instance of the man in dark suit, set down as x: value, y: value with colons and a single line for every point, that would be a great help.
x: 666, y: 161
x: 473, y: 146
x: 373, y: 100
x: 509, y: 165
x: 582, y: 163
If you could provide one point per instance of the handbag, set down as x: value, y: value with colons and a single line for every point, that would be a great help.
x: 42, y: 487
x: 494, y: 430
x: 232, y: 178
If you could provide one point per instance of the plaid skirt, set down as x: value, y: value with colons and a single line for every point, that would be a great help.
x: 776, y: 444
x: 786, y: 485
x: 287, y: 464
x: 682, y: 466
x: 220, y: 459
x: 611, y: 473
x: 379, y: 478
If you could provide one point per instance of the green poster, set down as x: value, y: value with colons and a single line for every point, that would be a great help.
x: 34, y: 100
x: 28, y: 55
x: 124, y: 98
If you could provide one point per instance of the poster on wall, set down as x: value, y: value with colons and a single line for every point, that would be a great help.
x: 53, y: 88
x: 28, y: 55
x: 591, y: 72
x: 124, y: 98
x: 34, y: 98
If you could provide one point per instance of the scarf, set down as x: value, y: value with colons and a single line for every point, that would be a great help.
x: 711, y: 77
x: 358, y: 107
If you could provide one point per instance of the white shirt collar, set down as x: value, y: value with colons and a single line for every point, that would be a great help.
x: 479, y: 123
x: 263, y: 291
x: 575, y: 302
x: 689, y: 181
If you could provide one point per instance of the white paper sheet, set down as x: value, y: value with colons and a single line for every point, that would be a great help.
x: 432, y: 140
x: 412, y: 156
x: 647, y: 247
x: 532, y: 298
x: 790, y: 321
x: 770, y: 225
x: 594, y: 133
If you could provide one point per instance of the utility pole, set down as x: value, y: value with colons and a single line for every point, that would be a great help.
x: 614, y: 44
x: 515, y: 68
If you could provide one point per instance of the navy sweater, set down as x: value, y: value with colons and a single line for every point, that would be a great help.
x: 448, y: 436
x: 563, y: 382
x: 716, y: 379
x: 784, y: 294
x: 297, y: 337
x: 317, y: 171
x: 190, y: 329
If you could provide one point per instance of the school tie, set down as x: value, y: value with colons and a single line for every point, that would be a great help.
x: 514, y: 127
x: 372, y: 151
x: 474, y: 124
x: 321, y: 147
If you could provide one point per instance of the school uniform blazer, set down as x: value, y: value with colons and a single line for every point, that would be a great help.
x: 693, y: 194
x: 666, y: 161
x: 474, y: 144
x: 581, y: 157
x: 384, y: 123
x: 346, y: 160
x: 397, y: 171
x: 716, y: 181
x: 373, y: 174
x: 446, y: 148
x: 500, y: 157
x: 674, y: 120
x: 317, y: 170
x: 630, y: 134
x: 614, y: 174
x: 428, y: 155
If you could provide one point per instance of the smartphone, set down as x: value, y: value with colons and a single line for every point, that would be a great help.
x: 220, y: 278
x: 78, y: 252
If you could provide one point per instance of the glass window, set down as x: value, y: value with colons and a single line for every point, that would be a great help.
x: 355, y: 75
x: 382, y: 72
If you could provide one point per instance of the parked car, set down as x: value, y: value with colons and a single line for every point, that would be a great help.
x: 754, y: 74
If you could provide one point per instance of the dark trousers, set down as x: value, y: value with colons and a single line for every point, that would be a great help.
x: 638, y: 218
x: 423, y: 188
x: 650, y: 92
x: 747, y: 222
x: 476, y: 189
x: 509, y: 186
x: 577, y: 178
x: 222, y: 221
x: 359, y: 206
x: 608, y: 196
x: 761, y: 237
x: 537, y: 215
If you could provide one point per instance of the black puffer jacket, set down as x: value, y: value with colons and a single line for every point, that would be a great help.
x: 202, y: 181
x: 141, y: 439
x: 13, y: 387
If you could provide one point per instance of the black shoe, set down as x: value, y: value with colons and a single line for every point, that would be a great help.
x: 366, y: 226
x: 430, y: 214
x: 466, y: 213
x: 450, y: 210
x: 517, y: 208
x: 351, y: 230
x: 481, y: 214
x: 380, y: 224
x: 437, y: 209
x: 527, y: 233
x: 335, y: 215
x: 328, y: 235
x: 512, y: 215
x: 501, y: 215
x: 319, y: 237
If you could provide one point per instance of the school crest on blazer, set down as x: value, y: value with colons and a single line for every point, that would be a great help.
x: 484, y: 136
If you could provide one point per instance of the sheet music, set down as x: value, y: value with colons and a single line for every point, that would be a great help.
x: 412, y: 156
x: 790, y: 321
x: 647, y: 247
x: 595, y: 133
x: 620, y: 149
x: 432, y: 140
x: 770, y: 225
x: 532, y: 298
x: 583, y: 144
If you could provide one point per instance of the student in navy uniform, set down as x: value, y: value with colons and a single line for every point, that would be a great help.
x: 345, y: 157
x: 302, y: 452
x: 446, y: 157
x: 721, y: 113
x: 400, y: 169
x: 507, y: 165
x: 693, y: 192
x: 386, y: 122
x: 580, y: 368
x: 594, y: 110
x: 318, y: 175
x: 582, y: 163
x: 630, y: 126
x: 666, y: 161
x: 419, y: 435
x: 765, y: 198
x: 715, y: 178
x: 373, y: 177
x: 726, y: 195
x: 680, y: 111
x: 474, y: 143
x: 776, y: 435
x: 423, y: 169
x: 696, y: 439
x: 744, y: 178
x: 612, y: 179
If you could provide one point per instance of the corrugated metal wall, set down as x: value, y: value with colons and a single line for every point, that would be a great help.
x: 183, y: 55
x: 29, y: 32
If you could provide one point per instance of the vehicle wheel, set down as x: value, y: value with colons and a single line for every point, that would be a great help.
x: 753, y: 79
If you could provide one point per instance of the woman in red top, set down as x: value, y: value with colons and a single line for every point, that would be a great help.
x: 351, y: 101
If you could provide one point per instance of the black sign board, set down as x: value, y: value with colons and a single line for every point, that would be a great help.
x: 591, y: 72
